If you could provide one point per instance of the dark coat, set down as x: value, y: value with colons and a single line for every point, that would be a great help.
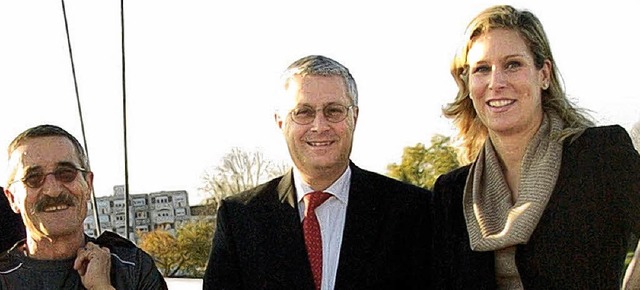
x: 11, y: 226
x: 583, y: 235
x: 259, y: 243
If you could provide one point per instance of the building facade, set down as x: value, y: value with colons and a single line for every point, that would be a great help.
x: 167, y: 210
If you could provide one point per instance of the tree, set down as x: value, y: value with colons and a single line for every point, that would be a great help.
x: 635, y: 135
x: 195, y: 238
x: 421, y: 166
x: 185, y: 254
x: 239, y: 171
x: 164, y: 249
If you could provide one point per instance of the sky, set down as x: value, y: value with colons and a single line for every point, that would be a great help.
x: 202, y: 76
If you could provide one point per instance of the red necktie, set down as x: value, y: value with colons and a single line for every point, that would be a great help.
x: 312, y: 237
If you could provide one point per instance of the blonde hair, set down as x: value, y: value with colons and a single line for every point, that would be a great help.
x: 472, y: 131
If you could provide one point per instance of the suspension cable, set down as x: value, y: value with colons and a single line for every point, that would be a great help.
x: 84, y: 137
x: 124, y: 118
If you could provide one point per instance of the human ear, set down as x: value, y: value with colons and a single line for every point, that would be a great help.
x: 14, y: 205
x: 278, y: 119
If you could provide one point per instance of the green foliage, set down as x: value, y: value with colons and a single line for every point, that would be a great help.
x: 196, y: 239
x: 185, y: 254
x: 163, y: 247
x: 421, y: 166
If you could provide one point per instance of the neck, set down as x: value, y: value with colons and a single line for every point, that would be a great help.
x: 511, y: 147
x: 54, y: 248
x: 321, y: 178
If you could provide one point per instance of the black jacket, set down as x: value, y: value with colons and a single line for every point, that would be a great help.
x: 583, y: 235
x: 259, y: 243
x: 131, y: 268
x: 11, y: 226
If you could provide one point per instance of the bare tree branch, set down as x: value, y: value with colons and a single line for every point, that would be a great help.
x: 238, y: 171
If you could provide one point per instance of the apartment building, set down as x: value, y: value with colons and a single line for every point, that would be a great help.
x: 166, y: 210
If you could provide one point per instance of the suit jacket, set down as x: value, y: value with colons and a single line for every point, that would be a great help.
x: 259, y: 243
x: 583, y: 235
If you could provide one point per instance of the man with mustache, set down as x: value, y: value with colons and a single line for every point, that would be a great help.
x: 49, y: 183
x: 326, y: 224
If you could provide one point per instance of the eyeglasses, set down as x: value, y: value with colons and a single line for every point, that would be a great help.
x: 64, y: 174
x: 334, y: 113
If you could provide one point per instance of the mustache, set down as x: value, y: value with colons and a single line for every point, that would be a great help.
x: 62, y: 199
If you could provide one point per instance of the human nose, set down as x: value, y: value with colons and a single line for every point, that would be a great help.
x: 320, y: 121
x: 50, y: 184
x: 498, y: 79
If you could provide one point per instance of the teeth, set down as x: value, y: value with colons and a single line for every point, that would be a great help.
x: 500, y: 103
x: 55, y: 208
x: 319, y: 143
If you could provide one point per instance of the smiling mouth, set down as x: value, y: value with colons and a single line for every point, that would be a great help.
x: 319, y: 144
x: 55, y: 208
x: 500, y: 103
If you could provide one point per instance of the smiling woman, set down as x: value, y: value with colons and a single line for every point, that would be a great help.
x: 520, y: 215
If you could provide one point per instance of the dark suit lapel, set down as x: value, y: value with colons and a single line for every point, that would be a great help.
x: 361, y: 232
x: 286, y: 256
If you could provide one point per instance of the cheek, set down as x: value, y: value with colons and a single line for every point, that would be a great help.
x: 294, y: 131
x: 477, y: 87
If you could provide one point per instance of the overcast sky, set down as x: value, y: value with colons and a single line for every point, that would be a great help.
x: 201, y: 76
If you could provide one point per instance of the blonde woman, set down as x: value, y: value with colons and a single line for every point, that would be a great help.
x: 549, y: 200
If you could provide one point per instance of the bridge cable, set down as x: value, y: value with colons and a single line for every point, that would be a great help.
x: 84, y: 137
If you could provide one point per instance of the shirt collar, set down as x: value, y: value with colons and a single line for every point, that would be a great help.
x: 339, y: 189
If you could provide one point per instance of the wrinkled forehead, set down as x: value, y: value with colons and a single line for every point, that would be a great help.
x: 43, y: 152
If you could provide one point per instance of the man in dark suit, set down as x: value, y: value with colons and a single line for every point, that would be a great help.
x: 11, y: 227
x: 373, y: 230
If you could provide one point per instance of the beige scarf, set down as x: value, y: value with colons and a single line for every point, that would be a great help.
x: 495, y: 222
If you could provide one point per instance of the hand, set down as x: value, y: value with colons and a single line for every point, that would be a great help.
x: 93, y: 263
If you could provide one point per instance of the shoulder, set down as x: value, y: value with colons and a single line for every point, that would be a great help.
x: 8, y: 261
x: 257, y: 194
x: 130, y: 264
x: 603, y: 137
x: 124, y: 251
x: 449, y: 187
x: 456, y: 176
x: 374, y: 182
x: 600, y: 145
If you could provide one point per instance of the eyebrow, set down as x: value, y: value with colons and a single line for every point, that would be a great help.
x: 321, y: 106
x: 29, y: 169
x: 484, y: 61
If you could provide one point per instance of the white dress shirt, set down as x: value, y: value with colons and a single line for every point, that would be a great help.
x: 331, y: 216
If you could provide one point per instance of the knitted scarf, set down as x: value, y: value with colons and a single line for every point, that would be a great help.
x: 497, y: 223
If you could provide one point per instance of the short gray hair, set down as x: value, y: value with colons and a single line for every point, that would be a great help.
x: 321, y: 66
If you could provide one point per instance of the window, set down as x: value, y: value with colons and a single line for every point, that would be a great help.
x: 181, y: 212
x: 139, y: 202
x: 141, y: 214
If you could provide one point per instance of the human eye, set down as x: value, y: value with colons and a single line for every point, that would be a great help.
x: 335, y: 110
x: 303, y: 112
x: 480, y: 69
x: 33, y: 178
x: 303, y: 115
x: 513, y: 64
x: 66, y: 174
